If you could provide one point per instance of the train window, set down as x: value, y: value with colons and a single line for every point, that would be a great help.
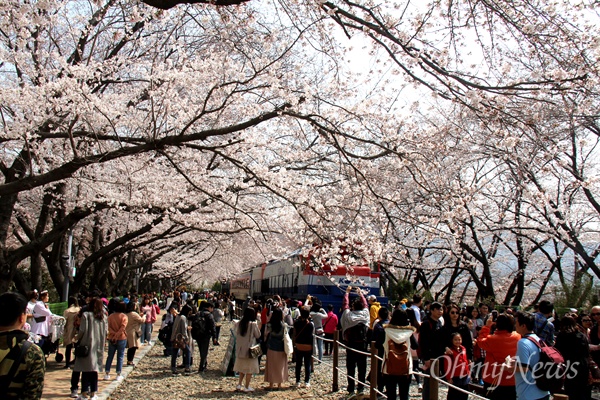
x: 264, y: 286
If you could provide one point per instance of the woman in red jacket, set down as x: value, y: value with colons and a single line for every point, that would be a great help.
x: 498, y: 380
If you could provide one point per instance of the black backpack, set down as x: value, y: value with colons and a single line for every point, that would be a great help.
x: 164, y: 334
x: 199, y: 325
x: 357, y: 334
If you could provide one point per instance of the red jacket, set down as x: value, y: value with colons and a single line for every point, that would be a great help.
x: 459, y: 365
x: 497, y: 346
x: 330, y: 323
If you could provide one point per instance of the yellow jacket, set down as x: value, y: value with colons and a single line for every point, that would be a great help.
x: 373, y: 312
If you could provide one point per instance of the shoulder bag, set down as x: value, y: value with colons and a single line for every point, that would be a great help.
x: 82, y: 350
x: 255, y: 350
x: 288, y: 346
x: 180, y: 342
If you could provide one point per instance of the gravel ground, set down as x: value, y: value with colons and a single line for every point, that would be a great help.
x: 152, y: 379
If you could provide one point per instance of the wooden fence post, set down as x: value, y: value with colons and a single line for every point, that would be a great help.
x: 374, y: 366
x: 433, y: 383
x: 336, y: 336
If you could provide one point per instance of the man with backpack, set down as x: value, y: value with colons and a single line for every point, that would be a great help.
x: 203, y: 329
x: 22, y: 363
x: 355, y: 324
x: 528, y: 356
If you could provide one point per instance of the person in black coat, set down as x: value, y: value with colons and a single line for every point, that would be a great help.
x: 452, y: 323
x: 431, y: 342
x: 574, y: 347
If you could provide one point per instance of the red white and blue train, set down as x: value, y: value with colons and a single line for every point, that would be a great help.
x: 295, y: 276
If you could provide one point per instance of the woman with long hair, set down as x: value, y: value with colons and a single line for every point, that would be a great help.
x: 247, y: 333
x: 303, y: 340
x: 181, y: 327
x: 92, y: 335
x: 585, y: 324
x: 133, y: 331
x: 574, y: 347
x: 452, y: 324
x: 276, y: 371
x: 317, y: 315
x: 149, y: 312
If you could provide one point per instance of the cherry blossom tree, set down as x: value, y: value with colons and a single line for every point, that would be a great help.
x: 200, y: 139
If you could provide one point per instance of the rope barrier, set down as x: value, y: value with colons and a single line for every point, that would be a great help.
x: 322, y: 362
x: 354, y: 350
x: 326, y: 340
x: 437, y: 360
x: 366, y: 385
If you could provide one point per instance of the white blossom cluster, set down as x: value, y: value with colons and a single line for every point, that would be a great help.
x: 457, y: 145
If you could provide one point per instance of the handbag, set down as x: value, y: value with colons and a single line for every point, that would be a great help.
x: 82, y: 350
x: 255, y: 351
x: 288, y: 346
x: 303, y: 347
x: 40, y: 319
x: 180, y: 342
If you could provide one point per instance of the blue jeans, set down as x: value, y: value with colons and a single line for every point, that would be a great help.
x: 186, y: 358
x: 120, y: 349
x: 146, y: 332
x: 319, y: 340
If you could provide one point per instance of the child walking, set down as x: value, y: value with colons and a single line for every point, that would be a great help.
x: 458, y: 368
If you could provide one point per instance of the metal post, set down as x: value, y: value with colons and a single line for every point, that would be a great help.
x: 374, y: 369
x: 336, y: 336
x: 68, y: 263
x: 137, y: 280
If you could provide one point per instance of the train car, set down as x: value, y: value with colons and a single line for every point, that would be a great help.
x: 296, y: 276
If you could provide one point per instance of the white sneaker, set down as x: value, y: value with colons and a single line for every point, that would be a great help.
x: 94, y: 397
x: 106, y: 377
x: 307, y: 385
x: 119, y: 378
x: 297, y: 384
x: 74, y: 394
x: 249, y: 389
x: 238, y: 388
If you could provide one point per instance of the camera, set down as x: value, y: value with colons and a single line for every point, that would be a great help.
x: 494, y: 315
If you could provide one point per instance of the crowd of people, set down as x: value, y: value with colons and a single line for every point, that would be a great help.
x: 495, y: 348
